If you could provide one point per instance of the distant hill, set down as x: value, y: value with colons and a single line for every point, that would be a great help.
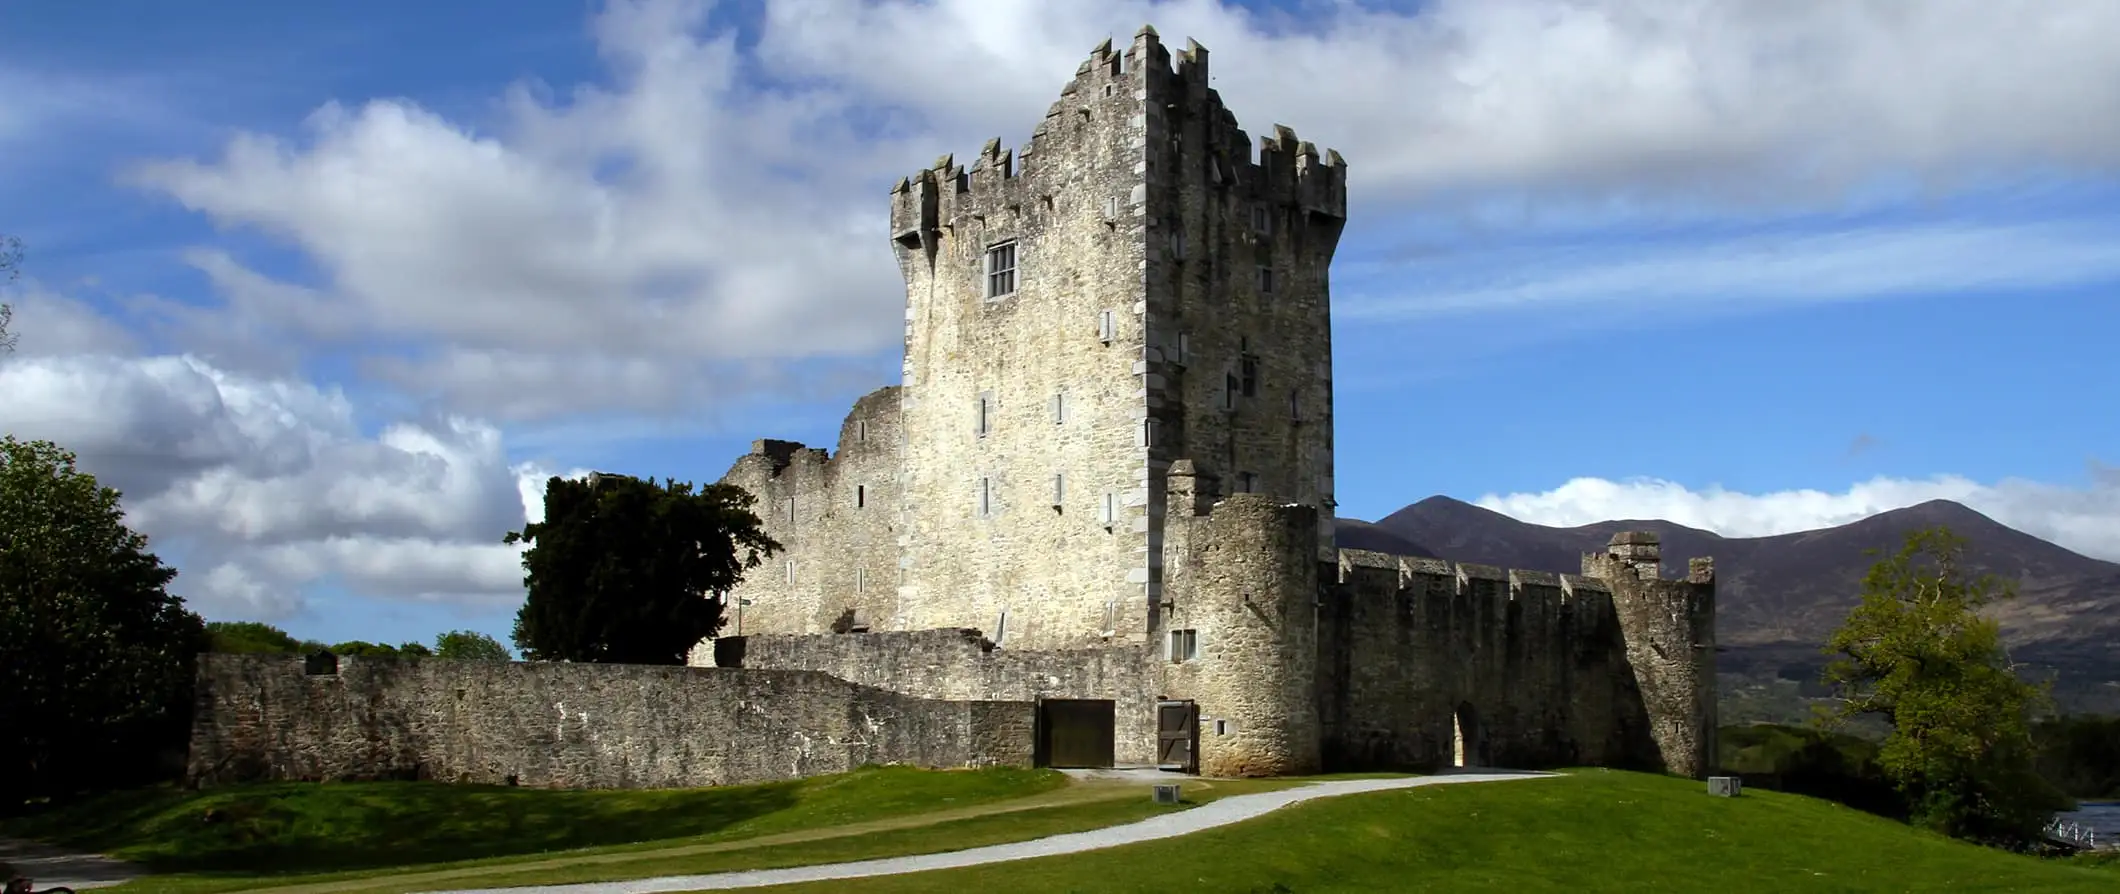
x: 1787, y: 593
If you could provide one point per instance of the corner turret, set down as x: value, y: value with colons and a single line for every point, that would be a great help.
x: 1669, y: 628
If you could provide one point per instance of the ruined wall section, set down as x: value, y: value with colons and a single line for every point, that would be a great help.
x: 1669, y: 628
x: 1240, y: 245
x: 963, y: 665
x: 836, y: 517
x: 1423, y: 659
x: 557, y: 725
x: 1241, y: 635
x: 1025, y: 498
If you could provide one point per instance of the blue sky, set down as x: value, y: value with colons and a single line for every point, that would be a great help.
x: 322, y: 286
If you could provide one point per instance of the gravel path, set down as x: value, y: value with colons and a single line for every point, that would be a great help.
x: 50, y: 867
x: 1228, y: 810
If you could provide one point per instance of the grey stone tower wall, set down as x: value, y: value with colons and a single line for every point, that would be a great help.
x: 1239, y: 355
x: 1031, y: 572
x: 1244, y: 583
x: 1669, y: 629
x: 836, y: 518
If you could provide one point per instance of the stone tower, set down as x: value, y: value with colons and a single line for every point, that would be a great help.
x: 1134, y: 287
x: 1669, y: 630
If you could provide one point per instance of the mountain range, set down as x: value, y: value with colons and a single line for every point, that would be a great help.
x: 1778, y: 598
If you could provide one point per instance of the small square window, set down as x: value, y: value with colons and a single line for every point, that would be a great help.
x: 1247, y: 482
x: 1001, y: 270
x: 1262, y: 220
x: 1184, y: 646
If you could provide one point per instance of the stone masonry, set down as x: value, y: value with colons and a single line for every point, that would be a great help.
x: 1107, y: 475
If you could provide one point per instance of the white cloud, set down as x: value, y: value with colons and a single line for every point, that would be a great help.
x: 267, y: 487
x: 1759, y: 269
x: 2086, y: 519
x: 621, y: 246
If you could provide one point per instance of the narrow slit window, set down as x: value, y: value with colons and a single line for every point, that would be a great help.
x: 985, y: 422
x: 791, y: 510
x: 1247, y: 482
x: 1001, y: 270
x: 986, y: 497
x: 1107, y: 326
x: 1148, y: 432
x: 861, y: 580
x: 1262, y: 220
x: 1230, y: 386
x: 791, y: 571
x: 861, y: 430
x: 1060, y: 408
x: 1059, y: 489
x: 1248, y: 367
x: 1110, y: 513
x: 861, y: 496
x: 1265, y: 280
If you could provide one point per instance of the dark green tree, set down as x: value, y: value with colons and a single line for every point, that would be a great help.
x: 1918, y: 653
x: 254, y: 636
x: 96, y: 656
x: 629, y: 571
x: 364, y: 649
x: 470, y: 645
x: 415, y: 650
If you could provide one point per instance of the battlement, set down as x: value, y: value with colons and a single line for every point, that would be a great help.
x: 1114, y: 101
x: 1638, y: 555
x: 1388, y: 572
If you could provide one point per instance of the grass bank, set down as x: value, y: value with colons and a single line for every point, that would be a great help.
x: 1593, y: 831
x: 262, y: 830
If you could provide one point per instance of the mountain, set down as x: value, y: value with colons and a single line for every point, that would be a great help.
x: 1793, y: 590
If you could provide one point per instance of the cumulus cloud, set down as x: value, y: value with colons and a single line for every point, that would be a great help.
x: 2083, y: 519
x: 717, y: 204
x: 263, y: 488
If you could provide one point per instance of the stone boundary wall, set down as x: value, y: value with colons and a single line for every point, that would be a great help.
x: 1532, y: 666
x: 962, y: 664
x: 556, y: 725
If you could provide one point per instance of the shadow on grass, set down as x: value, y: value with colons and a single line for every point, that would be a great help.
x: 275, y: 829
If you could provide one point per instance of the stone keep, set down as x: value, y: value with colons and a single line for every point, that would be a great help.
x: 1111, y: 457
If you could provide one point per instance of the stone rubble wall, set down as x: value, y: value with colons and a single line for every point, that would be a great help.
x: 557, y: 725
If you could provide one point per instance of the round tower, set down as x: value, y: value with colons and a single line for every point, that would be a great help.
x: 1253, y: 603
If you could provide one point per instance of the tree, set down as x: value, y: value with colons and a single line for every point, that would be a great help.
x: 628, y: 571
x: 255, y: 637
x: 96, y: 669
x: 470, y: 645
x: 1917, y: 652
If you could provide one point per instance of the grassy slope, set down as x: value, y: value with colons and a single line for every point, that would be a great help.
x: 258, y: 830
x: 1593, y: 831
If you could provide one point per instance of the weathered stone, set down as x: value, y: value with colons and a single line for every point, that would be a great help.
x: 263, y: 717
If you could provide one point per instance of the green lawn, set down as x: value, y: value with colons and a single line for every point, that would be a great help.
x: 1591, y: 831
x: 265, y: 829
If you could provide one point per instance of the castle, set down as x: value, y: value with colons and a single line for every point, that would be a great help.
x: 1106, y: 486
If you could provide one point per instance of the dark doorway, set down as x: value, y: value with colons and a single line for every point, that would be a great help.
x: 1178, y: 736
x: 1074, y: 733
x: 1467, y: 747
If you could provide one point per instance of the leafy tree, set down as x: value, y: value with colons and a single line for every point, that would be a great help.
x: 628, y: 571
x: 253, y: 636
x: 1917, y: 652
x: 96, y: 667
x: 470, y: 645
x: 415, y: 650
x: 363, y: 649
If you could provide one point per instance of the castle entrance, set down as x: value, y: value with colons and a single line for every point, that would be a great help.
x: 1467, y: 747
x: 1178, y: 736
x: 1074, y: 733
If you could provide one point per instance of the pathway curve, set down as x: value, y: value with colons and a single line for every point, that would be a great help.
x: 1225, y: 811
x: 51, y: 867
